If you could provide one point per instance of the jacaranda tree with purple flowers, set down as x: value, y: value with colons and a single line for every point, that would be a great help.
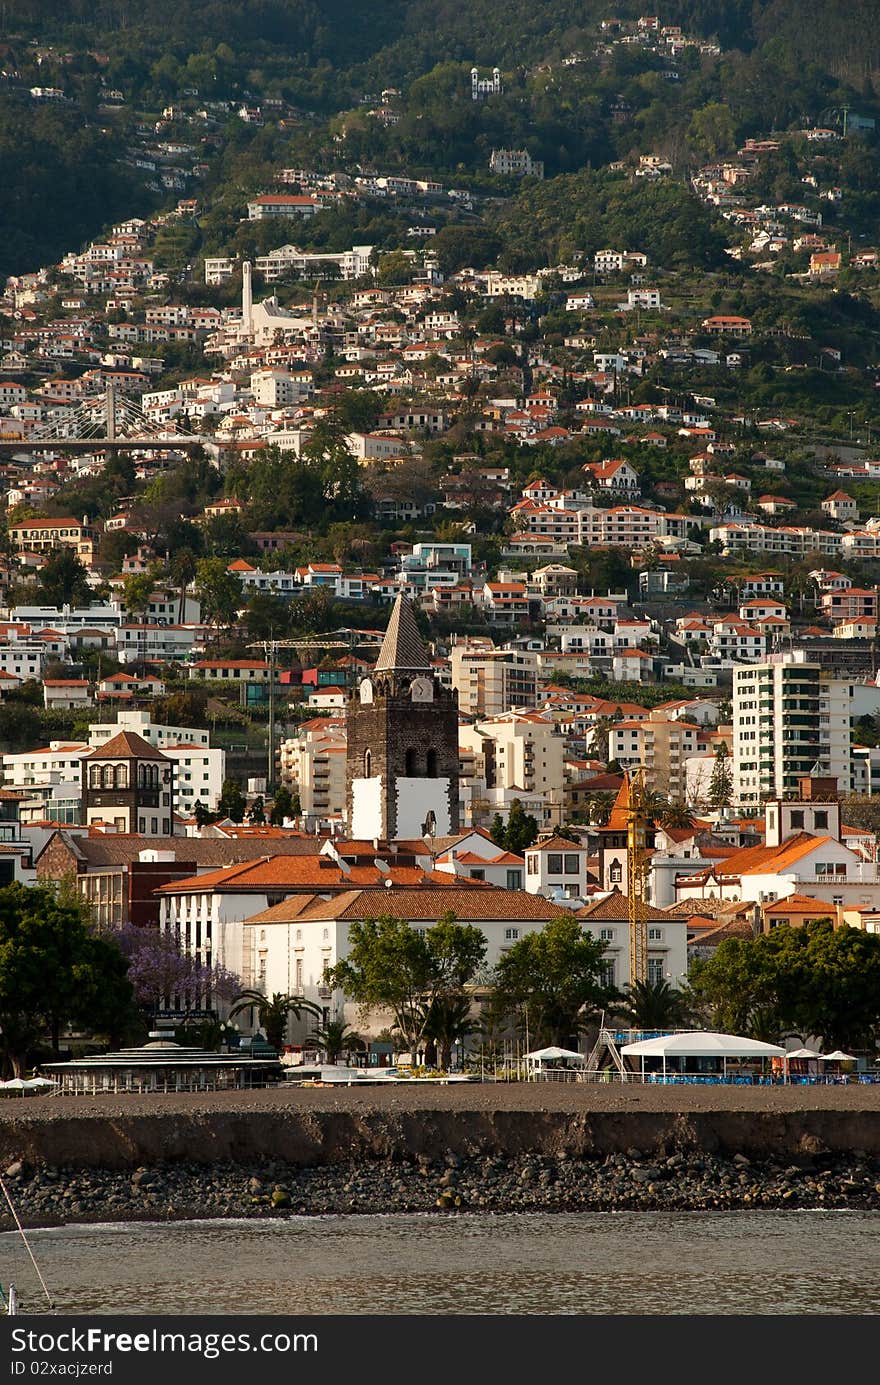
x: 158, y: 966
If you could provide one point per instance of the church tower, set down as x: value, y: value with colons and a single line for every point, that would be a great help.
x: 402, y: 757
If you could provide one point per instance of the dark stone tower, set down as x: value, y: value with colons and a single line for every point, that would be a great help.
x: 402, y: 758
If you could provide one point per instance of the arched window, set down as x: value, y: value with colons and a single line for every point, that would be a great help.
x: 368, y: 764
x: 95, y: 777
x: 616, y: 873
x: 122, y: 776
x: 142, y: 775
x: 432, y: 764
x: 410, y: 764
x: 109, y: 777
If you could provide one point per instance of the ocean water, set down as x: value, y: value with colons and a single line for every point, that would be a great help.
x: 764, y: 1262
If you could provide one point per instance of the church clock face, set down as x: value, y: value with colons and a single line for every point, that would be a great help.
x: 422, y: 690
x: 366, y: 691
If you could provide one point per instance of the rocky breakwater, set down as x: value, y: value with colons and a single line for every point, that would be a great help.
x: 443, y: 1184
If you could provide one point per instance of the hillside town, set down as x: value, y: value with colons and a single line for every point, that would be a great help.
x: 339, y: 578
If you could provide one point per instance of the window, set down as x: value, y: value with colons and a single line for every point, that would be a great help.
x: 154, y: 826
x: 820, y: 819
x: 432, y: 764
x: 299, y: 974
x: 606, y: 935
x: 797, y: 818
x: 615, y: 875
x: 410, y: 767
x: 606, y: 972
x: 532, y: 864
x: 554, y: 863
x: 655, y: 970
x: 572, y: 864
x: 514, y: 880
x: 511, y: 934
x: 478, y: 875
x: 655, y: 935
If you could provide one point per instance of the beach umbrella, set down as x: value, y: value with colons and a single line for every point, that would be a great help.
x: 803, y: 1053
x: 838, y: 1057
x: 39, y: 1084
x: 15, y: 1084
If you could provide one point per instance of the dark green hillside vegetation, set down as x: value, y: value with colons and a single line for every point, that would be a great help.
x: 550, y: 222
x: 60, y: 184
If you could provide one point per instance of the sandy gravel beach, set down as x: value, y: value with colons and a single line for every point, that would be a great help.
x: 480, y: 1097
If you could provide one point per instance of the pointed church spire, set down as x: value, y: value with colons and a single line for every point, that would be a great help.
x: 619, y: 815
x: 403, y: 649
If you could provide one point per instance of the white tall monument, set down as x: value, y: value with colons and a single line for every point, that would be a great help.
x: 247, y: 300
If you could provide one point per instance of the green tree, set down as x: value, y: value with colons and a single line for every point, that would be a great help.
x: 184, y: 565
x: 712, y: 131
x: 520, y: 831
x: 282, y: 807
x: 390, y: 966
x: 54, y: 971
x: 219, y: 592
x: 232, y: 801
x: 336, y: 1037
x: 137, y: 588
x: 258, y: 813
x: 721, y: 784
x: 553, y: 981
x: 64, y: 581
x: 653, y: 1005
x: 273, y: 1012
x: 448, y: 1020
x: 817, y: 980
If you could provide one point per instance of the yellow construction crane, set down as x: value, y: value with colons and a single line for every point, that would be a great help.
x: 637, y: 878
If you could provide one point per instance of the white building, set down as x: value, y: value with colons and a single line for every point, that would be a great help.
x: 789, y: 714
x: 199, y: 769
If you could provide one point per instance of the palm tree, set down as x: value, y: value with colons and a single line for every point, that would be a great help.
x: 653, y: 1005
x: 676, y: 815
x: 335, y: 1037
x: 273, y: 1013
x: 449, y: 1019
x: 183, y: 572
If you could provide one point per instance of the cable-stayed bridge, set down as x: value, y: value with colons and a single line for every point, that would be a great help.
x: 105, y: 422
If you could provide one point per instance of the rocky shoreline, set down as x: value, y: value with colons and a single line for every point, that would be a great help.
x: 634, y: 1181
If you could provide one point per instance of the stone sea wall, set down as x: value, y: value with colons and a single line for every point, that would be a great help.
x: 329, y: 1153
x: 303, y: 1137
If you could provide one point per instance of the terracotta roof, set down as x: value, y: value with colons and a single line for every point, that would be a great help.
x: 128, y: 744
x: 118, y: 849
x: 427, y: 904
x: 558, y: 844
x: 615, y: 907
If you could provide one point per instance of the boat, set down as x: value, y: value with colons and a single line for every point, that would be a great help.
x: 10, y: 1297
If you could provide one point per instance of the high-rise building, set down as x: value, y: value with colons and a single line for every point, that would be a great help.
x: 788, y: 716
x: 491, y: 681
x: 402, y: 752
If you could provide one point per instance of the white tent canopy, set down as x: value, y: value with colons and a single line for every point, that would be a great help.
x: 700, y: 1044
x: 838, y: 1057
x: 551, y: 1055
x: 803, y: 1053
